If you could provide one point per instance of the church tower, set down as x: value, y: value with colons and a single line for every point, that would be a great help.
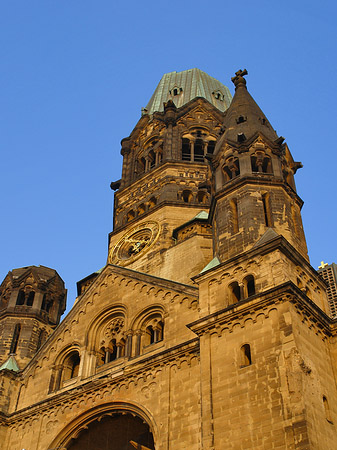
x: 207, y: 328
x: 162, y: 200
x: 253, y: 180
x: 32, y: 300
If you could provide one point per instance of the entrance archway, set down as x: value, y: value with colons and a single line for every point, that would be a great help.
x: 114, y: 431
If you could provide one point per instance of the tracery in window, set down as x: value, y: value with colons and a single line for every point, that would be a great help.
x: 112, y: 344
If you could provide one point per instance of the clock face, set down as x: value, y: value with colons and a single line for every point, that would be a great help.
x: 135, y: 243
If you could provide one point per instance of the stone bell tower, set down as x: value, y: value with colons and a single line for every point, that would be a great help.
x: 32, y: 300
x: 162, y: 201
x: 253, y: 181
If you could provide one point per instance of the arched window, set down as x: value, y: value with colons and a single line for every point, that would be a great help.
x: 249, y: 285
x: 130, y: 216
x: 30, y: 298
x: 154, y: 332
x: 235, y: 292
x: 186, y: 150
x: 199, y: 150
x: 44, y: 302
x: 235, y: 215
x: 245, y: 355
x: 327, y: 409
x: 187, y: 196
x: 266, y: 210
x: 210, y: 147
x: 202, y: 197
x: 71, y: 366
x: 141, y: 209
x: 152, y: 202
x: 231, y: 168
x: 21, y: 298
x: 152, y: 159
x: 15, y: 338
x: 261, y: 163
x: 111, y: 341
x: 41, y: 339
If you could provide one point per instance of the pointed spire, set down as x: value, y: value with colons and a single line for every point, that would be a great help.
x: 244, y: 118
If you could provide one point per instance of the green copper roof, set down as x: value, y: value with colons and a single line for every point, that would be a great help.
x: 215, y: 262
x: 182, y: 87
x: 10, y: 364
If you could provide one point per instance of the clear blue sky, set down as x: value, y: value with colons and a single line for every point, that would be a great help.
x: 74, y: 75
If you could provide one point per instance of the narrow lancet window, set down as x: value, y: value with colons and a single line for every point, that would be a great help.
x: 15, y: 338
x: 246, y: 357
x: 235, y: 215
x: 266, y: 210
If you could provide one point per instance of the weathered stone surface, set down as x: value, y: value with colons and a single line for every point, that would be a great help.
x: 163, y: 350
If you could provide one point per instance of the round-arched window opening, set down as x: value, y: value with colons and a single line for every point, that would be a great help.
x: 114, y: 432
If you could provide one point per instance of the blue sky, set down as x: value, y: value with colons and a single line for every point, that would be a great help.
x: 75, y: 74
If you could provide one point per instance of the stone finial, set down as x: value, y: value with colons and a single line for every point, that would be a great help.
x: 238, y: 79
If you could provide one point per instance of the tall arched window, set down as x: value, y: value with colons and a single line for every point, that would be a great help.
x: 245, y: 355
x: 234, y: 292
x: 21, y: 298
x: 15, y: 338
x: 199, y: 150
x: 249, y: 285
x: 266, y: 210
x: 186, y: 150
x: 187, y: 196
x: 71, y: 366
x: 327, y: 409
x: 30, y: 298
x: 41, y: 339
x: 235, y: 215
x: 111, y: 341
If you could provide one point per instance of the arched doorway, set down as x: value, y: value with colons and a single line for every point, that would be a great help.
x: 114, y: 431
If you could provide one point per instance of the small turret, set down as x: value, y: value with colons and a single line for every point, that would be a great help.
x: 32, y: 300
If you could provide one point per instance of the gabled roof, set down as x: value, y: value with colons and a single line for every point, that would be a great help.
x: 190, y: 84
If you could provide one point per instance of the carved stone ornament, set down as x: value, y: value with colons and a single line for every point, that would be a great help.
x: 135, y: 243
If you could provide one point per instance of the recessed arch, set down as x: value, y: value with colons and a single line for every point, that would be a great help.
x: 101, y: 319
x: 70, y: 436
